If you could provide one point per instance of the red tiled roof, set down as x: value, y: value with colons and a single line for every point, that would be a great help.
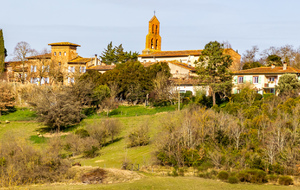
x: 43, y: 56
x: 63, y: 44
x: 268, y: 70
x: 102, y: 67
x: 172, y: 53
x: 79, y: 59
x: 183, y: 65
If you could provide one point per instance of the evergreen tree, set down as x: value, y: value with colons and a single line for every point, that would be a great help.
x: 117, y: 55
x: 108, y: 55
x: 289, y: 85
x: 2, y: 53
x: 213, y: 69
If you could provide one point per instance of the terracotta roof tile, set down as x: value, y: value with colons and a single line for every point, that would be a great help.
x: 267, y: 70
x: 43, y: 56
x: 102, y: 67
x: 183, y: 65
x: 63, y: 44
x: 172, y: 53
x: 80, y: 59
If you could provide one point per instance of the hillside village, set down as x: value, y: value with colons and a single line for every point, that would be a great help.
x: 128, y: 120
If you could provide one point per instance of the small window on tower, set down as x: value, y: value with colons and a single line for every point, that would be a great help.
x: 156, y: 44
x: 59, y: 63
x: 54, y: 53
x: 156, y: 29
x: 65, y: 53
x: 59, y: 53
x: 152, y: 44
x: 152, y: 28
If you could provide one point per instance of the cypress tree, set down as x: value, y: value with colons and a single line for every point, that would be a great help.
x: 2, y: 52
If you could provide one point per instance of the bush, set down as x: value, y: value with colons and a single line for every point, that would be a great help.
x: 272, y: 178
x: 82, y: 133
x: 253, y: 176
x: 285, y: 180
x: 91, y: 152
x: 223, y: 175
x: 138, y: 137
x: 233, y: 180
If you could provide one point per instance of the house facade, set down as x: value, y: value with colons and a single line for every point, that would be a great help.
x: 262, y: 79
x: 62, y: 65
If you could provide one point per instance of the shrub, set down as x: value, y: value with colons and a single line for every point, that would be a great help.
x: 223, y: 175
x: 285, y: 180
x: 82, y: 133
x: 233, y: 180
x: 138, y: 137
x: 181, y: 171
x: 91, y: 152
x: 253, y: 176
x: 273, y: 178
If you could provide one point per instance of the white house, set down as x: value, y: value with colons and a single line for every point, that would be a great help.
x: 263, y: 79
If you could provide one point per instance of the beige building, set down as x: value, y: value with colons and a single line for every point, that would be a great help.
x: 62, y: 65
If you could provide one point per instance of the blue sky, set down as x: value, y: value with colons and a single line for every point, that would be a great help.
x: 185, y: 24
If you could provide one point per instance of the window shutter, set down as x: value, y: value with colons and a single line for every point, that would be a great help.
x: 34, y: 67
x: 259, y: 79
x: 235, y: 79
x: 84, y: 69
x: 69, y: 69
x: 31, y: 68
x: 80, y: 69
x: 235, y: 91
x: 30, y: 80
x: 244, y: 79
x: 69, y: 79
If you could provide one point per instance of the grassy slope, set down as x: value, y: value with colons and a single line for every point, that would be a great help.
x: 113, y: 155
x: 163, y: 183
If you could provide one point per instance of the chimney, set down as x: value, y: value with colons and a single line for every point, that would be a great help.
x: 96, y: 60
x: 273, y: 66
x: 284, y: 66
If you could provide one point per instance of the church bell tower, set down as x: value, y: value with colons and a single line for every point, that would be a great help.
x: 153, y: 39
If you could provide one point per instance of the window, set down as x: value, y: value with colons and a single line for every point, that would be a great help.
x: 54, y: 53
x: 71, y: 69
x: 59, y: 53
x: 272, y: 90
x: 152, y: 44
x: 71, y: 80
x: 33, y: 68
x: 152, y: 28
x: 59, y: 63
x: 82, y: 69
x: 156, y: 29
x: 255, y: 79
x: 65, y: 53
x: 271, y: 79
x: 240, y: 79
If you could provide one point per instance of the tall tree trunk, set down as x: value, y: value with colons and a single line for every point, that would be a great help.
x: 214, y: 97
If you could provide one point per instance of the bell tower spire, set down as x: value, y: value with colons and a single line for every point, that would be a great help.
x: 153, y: 39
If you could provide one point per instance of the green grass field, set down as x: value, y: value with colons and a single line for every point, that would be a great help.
x: 166, y: 183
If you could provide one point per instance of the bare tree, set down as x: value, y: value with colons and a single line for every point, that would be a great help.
x: 21, y: 51
x: 249, y: 56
